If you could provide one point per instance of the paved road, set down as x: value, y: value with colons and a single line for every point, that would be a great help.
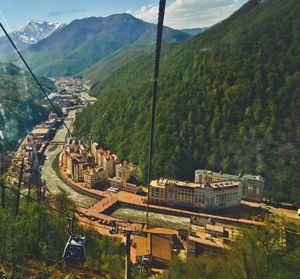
x: 54, y: 184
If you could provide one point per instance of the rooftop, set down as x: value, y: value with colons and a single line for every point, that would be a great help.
x: 160, y: 247
x: 163, y: 182
x: 214, y: 228
x: 225, y: 184
x: 252, y: 177
x: 78, y: 157
x: 224, y: 175
x: 116, y: 179
x: 165, y: 231
x: 208, y: 242
x: 40, y: 131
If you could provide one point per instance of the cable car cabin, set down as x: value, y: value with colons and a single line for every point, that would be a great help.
x: 74, y: 252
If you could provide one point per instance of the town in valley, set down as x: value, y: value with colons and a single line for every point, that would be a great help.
x: 150, y: 139
x: 91, y: 169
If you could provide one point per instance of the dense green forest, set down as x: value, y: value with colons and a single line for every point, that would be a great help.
x: 20, y: 103
x: 229, y: 99
x: 106, y: 66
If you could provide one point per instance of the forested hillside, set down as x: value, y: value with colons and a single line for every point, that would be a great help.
x: 20, y: 103
x: 106, y: 66
x: 229, y: 99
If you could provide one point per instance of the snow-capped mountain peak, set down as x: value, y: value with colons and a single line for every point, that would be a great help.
x: 34, y: 31
x: 31, y: 33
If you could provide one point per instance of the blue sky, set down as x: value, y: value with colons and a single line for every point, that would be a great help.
x: 179, y: 13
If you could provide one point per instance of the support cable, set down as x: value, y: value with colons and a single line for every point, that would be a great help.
x: 49, y: 207
x: 161, y: 14
x: 19, y: 187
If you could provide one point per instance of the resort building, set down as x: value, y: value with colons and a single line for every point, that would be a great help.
x: 208, y: 195
x: 90, y: 168
x: 200, y: 240
x: 252, y: 185
x: 79, y: 164
x: 125, y: 179
x: 92, y: 176
x: 104, y: 158
x: 75, y: 160
x: 206, y: 175
x: 207, y: 236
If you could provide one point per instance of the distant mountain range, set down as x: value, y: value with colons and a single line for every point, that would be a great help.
x: 84, y: 42
x: 104, y: 67
x: 194, y: 31
x: 31, y: 33
x: 90, y: 47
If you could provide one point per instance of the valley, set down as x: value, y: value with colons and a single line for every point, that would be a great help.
x: 86, y: 195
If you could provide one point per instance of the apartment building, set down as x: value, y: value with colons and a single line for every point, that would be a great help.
x: 93, y: 176
x: 80, y: 164
x: 212, y: 239
x: 100, y: 165
x: 210, y: 195
x: 75, y: 160
x: 126, y: 170
x: 125, y: 178
x: 207, y: 235
x: 252, y: 185
x: 104, y: 158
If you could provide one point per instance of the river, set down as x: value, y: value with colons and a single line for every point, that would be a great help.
x: 53, y: 183
x: 155, y: 219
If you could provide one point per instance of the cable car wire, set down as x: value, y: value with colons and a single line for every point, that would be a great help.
x: 67, y: 215
x: 39, y: 85
x: 160, y: 25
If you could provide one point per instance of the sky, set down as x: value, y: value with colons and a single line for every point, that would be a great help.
x: 179, y: 13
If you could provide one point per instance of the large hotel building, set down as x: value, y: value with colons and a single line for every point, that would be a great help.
x: 205, y: 195
x: 252, y: 185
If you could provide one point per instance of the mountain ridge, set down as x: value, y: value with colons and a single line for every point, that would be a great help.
x: 84, y: 42
x: 194, y: 31
x: 30, y: 33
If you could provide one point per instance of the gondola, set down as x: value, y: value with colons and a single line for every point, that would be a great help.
x: 74, y: 252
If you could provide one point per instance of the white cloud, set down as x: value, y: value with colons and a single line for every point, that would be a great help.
x: 191, y: 13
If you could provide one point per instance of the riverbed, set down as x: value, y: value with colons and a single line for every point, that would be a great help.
x: 53, y: 183
x: 155, y: 219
